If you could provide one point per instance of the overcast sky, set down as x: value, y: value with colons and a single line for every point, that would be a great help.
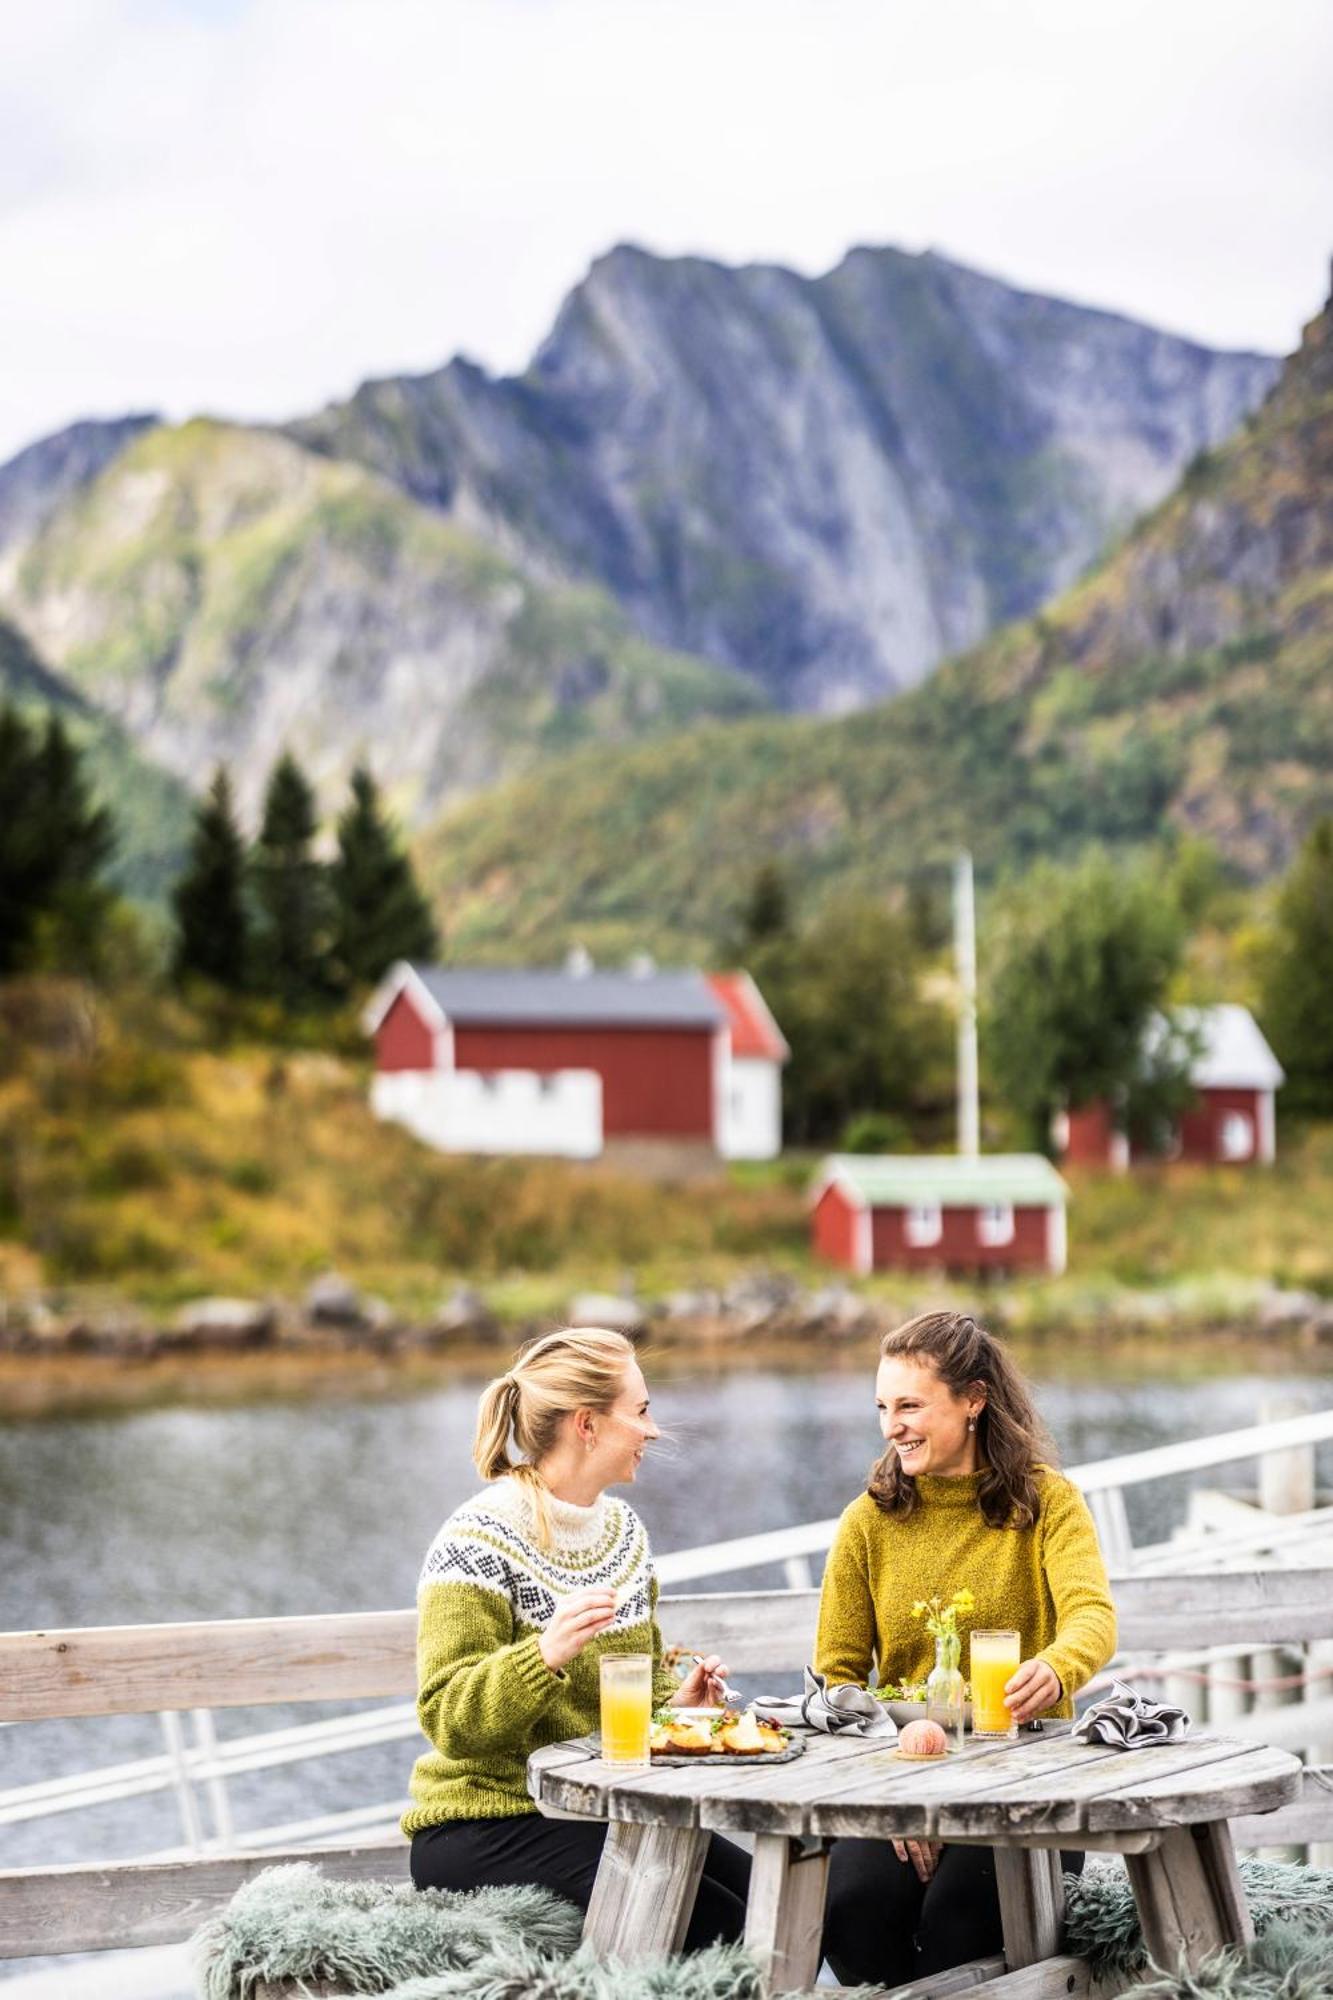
x: 246, y: 206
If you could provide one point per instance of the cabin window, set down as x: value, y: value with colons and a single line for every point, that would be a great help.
x: 1237, y: 1136
x: 924, y: 1224
x: 995, y: 1224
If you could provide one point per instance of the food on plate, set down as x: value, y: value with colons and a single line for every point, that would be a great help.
x: 714, y: 1732
x: 679, y: 1736
x: 746, y: 1736
x: 922, y: 1739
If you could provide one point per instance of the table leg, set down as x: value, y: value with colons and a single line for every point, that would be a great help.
x: 1189, y: 1894
x: 644, y: 1894
x: 1032, y: 1903
x: 784, y: 1918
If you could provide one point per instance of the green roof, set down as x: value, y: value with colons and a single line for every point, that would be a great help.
x: 1023, y: 1180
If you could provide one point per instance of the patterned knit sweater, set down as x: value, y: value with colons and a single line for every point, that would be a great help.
x: 1048, y: 1582
x: 486, y: 1698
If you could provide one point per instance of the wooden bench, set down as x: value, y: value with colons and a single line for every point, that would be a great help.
x: 124, y: 1670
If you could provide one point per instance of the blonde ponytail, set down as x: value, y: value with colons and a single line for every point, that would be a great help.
x: 495, y: 1419
x: 551, y: 1376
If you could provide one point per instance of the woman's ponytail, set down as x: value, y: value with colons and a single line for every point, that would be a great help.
x: 495, y: 1419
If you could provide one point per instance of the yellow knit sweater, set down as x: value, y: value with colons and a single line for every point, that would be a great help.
x: 1048, y: 1582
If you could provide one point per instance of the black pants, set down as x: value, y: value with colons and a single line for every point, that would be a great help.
x: 883, y: 1927
x: 562, y: 1854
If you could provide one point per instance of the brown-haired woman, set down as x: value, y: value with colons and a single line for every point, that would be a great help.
x: 524, y: 1589
x: 964, y: 1497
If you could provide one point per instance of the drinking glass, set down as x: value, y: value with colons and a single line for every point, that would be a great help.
x: 627, y: 1707
x: 994, y: 1659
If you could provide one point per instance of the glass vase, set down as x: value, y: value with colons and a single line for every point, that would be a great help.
x: 945, y: 1693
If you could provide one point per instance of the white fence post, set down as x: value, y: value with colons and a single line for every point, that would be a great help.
x: 1109, y: 1513
x: 215, y: 1784
x: 1286, y: 1477
x: 182, y: 1783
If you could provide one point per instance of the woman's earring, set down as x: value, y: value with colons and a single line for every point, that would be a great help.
x: 971, y: 1423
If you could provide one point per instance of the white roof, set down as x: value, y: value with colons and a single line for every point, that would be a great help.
x: 1234, y: 1054
x: 953, y: 1180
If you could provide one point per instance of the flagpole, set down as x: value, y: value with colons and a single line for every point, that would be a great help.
x: 965, y: 962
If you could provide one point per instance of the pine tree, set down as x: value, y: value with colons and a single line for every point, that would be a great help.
x: 1297, y: 1012
x: 767, y: 912
x: 380, y: 915
x: 291, y: 892
x: 22, y: 873
x: 212, y: 923
x: 54, y: 844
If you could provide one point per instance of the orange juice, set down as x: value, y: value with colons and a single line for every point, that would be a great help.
x: 993, y: 1660
x: 627, y: 1707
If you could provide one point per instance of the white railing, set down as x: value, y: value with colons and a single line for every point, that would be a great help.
x: 1226, y: 1530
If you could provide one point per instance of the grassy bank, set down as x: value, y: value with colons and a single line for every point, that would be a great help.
x: 137, y: 1163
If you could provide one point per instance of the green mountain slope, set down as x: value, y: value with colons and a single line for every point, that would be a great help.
x: 1186, y: 686
x: 151, y: 808
x: 226, y: 593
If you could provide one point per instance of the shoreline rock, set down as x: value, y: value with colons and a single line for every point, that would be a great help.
x: 759, y: 1308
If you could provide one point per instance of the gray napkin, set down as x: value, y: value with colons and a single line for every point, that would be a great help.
x: 832, y: 1711
x: 1128, y: 1721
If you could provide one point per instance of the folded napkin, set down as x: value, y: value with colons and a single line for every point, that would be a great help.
x: 832, y: 1711
x: 1128, y: 1721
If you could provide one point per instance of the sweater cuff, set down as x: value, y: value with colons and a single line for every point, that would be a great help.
x: 536, y: 1679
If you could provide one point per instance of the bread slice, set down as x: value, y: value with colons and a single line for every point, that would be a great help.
x: 679, y: 1738
x: 746, y: 1736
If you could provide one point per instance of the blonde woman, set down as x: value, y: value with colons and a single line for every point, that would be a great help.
x: 524, y: 1589
x: 965, y: 1496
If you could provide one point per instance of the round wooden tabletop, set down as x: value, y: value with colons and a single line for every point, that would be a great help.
x: 851, y: 1785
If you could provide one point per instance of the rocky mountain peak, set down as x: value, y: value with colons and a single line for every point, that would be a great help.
x: 826, y: 483
x: 35, y: 482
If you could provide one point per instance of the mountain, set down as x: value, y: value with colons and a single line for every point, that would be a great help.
x: 828, y: 484
x: 221, y: 592
x: 1184, y: 688
x: 151, y: 808
x: 36, y: 482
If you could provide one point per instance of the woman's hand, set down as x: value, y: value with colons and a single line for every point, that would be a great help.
x: 578, y: 1618
x: 703, y: 1684
x: 1034, y: 1688
x: 923, y: 1854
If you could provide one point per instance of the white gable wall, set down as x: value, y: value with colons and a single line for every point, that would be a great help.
x: 748, y: 1108
x: 496, y: 1111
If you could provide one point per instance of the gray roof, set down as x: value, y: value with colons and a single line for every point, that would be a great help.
x: 569, y: 999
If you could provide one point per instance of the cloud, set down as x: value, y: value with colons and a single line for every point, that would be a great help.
x: 248, y: 207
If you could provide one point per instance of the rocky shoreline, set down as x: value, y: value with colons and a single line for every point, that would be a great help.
x: 334, y: 1317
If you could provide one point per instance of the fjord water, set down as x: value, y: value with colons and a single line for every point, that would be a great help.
x: 329, y: 1505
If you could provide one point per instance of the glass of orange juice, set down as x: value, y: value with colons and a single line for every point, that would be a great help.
x: 627, y: 1707
x: 993, y: 1660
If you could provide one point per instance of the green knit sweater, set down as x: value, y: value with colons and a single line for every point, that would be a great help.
x: 486, y: 1698
x: 1048, y: 1582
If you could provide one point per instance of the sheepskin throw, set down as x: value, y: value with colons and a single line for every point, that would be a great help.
x: 292, y: 1923
x: 1284, y: 1964
x: 517, y: 1972
x: 1101, y: 1923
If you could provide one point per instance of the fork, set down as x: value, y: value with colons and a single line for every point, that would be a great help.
x: 731, y: 1697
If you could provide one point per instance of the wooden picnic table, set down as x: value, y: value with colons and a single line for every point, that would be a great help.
x: 1166, y: 1809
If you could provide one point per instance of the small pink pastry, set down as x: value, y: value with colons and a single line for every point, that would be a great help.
x: 923, y: 1739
